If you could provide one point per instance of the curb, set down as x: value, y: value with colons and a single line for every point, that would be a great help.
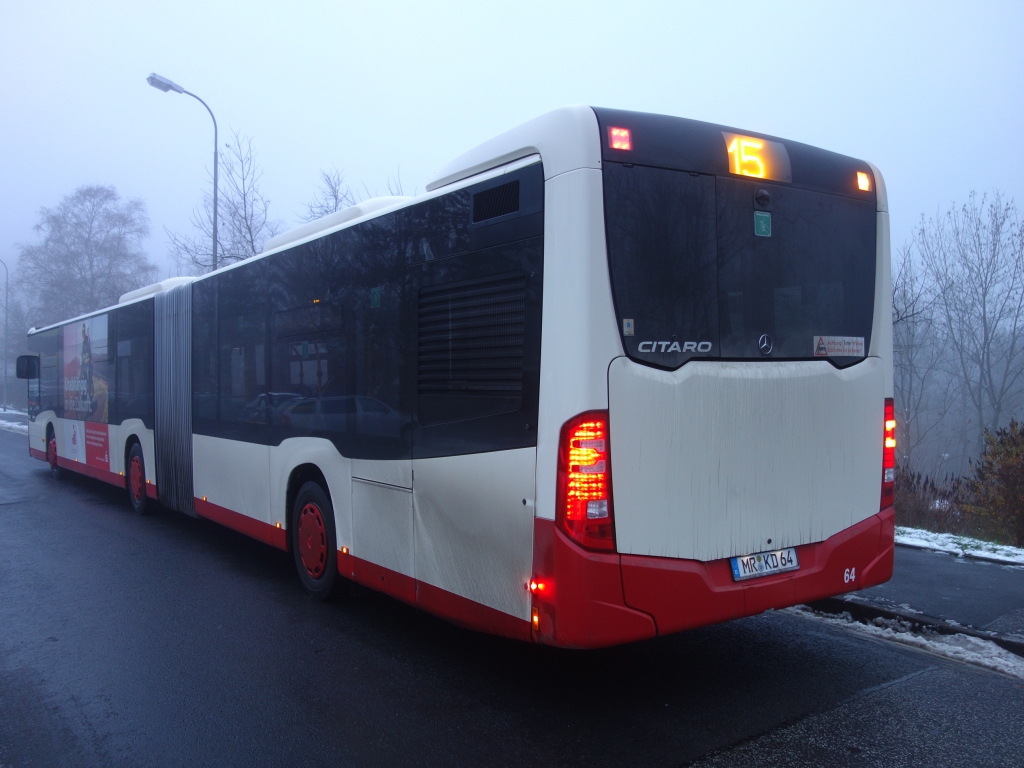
x: 962, y: 553
x: 863, y: 610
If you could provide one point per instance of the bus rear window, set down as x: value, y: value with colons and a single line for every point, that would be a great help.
x: 730, y: 268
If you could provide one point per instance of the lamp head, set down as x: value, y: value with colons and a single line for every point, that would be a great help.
x: 163, y: 84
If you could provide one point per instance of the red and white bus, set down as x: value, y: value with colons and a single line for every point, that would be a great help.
x: 614, y: 375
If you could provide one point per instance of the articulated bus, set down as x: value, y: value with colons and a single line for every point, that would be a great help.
x: 613, y: 375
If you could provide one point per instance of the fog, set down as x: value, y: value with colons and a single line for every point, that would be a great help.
x: 931, y: 93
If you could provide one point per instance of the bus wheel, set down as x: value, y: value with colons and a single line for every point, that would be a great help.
x: 51, y: 453
x: 137, y: 481
x: 313, y: 541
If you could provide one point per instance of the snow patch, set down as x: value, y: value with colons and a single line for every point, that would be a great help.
x: 14, y: 426
x: 972, y: 650
x: 958, y: 545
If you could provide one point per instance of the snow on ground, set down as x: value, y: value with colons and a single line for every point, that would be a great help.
x: 14, y: 426
x: 972, y: 650
x: 958, y: 545
x: 12, y: 412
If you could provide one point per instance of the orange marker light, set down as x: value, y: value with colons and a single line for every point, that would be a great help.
x: 618, y: 138
x: 278, y: 525
x: 863, y: 181
x: 344, y: 550
x: 536, y: 619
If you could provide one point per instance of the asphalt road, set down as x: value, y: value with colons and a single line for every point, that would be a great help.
x: 171, y: 641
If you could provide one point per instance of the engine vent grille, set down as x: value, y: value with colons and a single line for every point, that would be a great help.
x: 471, y: 336
x: 496, y: 201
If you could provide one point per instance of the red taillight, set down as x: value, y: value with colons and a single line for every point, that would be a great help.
x: 889, y: 454
x: 618, y: 138
x: 584, y: 506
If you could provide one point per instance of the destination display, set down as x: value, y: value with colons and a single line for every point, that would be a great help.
x: 759, y: 158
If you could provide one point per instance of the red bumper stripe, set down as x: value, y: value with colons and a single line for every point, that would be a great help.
x: 257, y: 529
x: 447, y: 605
x: 89, y: 471
x: 682, y: 594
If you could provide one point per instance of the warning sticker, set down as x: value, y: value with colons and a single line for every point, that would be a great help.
x: 839, y: 346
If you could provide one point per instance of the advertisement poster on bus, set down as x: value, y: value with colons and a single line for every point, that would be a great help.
x: 86, y: 382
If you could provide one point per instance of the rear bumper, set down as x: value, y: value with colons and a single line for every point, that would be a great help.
x: 596, y: 600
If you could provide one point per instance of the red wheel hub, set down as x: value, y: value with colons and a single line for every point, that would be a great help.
x: 135, y: 480
x: 51, y: 452
x: 312, y: 540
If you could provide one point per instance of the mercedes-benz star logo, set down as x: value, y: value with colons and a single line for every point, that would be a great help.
x: 765, y: 344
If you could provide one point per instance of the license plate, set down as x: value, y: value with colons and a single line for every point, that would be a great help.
x: 764, y: 564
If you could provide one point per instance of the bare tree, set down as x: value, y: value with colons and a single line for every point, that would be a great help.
x: 394, y: 186
x: 243, y: 223
x: 91, y: 253
x: 974, y: 257
x: 926, y: 392
x: 332, y: 195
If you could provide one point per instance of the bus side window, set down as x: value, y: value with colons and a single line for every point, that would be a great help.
x: 46, y: 387
x: 132, y: 351
x: 242, y: 345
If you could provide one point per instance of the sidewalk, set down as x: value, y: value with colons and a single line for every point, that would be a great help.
x: 933, y: 595
x: 14, y: 421
x: 973, y: 593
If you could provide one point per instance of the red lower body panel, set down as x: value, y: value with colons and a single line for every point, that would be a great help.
x: 579, y: 600
x: 250, y: 526
x: 447, y: 605
x: 114, y: 478
x: 590, y: 600
x: 89, y: 471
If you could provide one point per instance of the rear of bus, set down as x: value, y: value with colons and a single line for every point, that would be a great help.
x: 745, y: 461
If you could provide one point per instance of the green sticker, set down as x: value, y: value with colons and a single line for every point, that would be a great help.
x: 374, y: 298
x: 762, y: 224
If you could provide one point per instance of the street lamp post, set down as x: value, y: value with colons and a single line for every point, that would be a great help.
x: 7, y: 301
x: 165, y: 85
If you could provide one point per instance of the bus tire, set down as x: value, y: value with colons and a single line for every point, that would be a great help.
x: 313, y: 541
x: 136, y: 481
x: 51, y: 452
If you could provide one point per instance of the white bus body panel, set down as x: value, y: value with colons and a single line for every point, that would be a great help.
x: 579, y: 337
x: 37, y: 430
x: 382, y: 526
x: 717, y: 459
x: 565, y: 138
x: 71, y: 440
x: 233, y: 475
x: 474, y: 533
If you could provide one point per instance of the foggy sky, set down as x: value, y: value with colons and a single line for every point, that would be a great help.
x: 932, y: 93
